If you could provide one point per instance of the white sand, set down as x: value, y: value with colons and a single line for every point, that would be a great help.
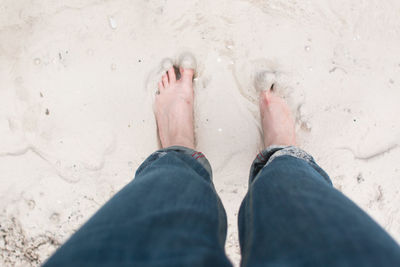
x: 89, y: 67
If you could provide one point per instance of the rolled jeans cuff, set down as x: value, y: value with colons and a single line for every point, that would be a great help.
x: 197, y: 156
x: 267, y: 156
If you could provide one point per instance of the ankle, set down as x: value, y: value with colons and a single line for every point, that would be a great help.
x: 289, y: 140
x: 180, y: 141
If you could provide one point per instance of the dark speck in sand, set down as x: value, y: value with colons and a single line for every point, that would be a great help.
x: 360, y: 178
x: 41, y: 95
x: 354, y: 120
x: 139, y: 60
x: 47, y: 111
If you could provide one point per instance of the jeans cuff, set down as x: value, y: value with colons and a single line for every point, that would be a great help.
x: 198, y: 156
x: 273, y: 152
x: 265, y: 158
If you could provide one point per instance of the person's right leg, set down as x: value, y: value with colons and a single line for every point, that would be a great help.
x: 292, y: 216
x: 170, y: 214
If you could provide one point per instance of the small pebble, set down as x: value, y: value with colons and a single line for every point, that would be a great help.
x: 113, y: 23
x: 55, y: 217
x: 31, y: 204
x: 47, y: 111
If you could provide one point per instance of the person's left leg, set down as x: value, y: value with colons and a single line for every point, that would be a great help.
x: 169, y: 215
x: 292, y: 215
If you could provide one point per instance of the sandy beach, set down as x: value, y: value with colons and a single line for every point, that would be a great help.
x: 77, y: 82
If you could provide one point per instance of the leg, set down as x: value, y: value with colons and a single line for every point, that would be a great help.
x: 292, y: 216
x: 169, y: 215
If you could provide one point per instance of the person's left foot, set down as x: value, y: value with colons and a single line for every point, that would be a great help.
x: 174, y: 109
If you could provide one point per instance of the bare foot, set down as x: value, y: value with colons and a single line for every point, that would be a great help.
x: 277, y: 121
x: 174, y: 109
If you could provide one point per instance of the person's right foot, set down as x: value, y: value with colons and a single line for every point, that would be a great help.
x: 277, y: 120
x: 174, y: 109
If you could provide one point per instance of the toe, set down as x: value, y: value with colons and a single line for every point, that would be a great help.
x: 263, y: 101
x: 165, y: 80
x: 262, y: 97
x: 171, y: 75
x: 187, y: 74
x: 160, y: 87
x: 265, y: 95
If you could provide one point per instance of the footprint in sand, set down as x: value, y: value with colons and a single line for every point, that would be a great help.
x: 72, y: 153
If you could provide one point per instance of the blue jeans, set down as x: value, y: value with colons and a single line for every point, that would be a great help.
x: 171, y: 215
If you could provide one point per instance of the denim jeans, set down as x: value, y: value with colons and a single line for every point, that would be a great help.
x: 171, y: 215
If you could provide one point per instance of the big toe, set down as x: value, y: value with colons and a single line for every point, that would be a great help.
x: 264, y: 80
x: 187, y: 74
x: 188, y: 65
x: 264, y: 97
